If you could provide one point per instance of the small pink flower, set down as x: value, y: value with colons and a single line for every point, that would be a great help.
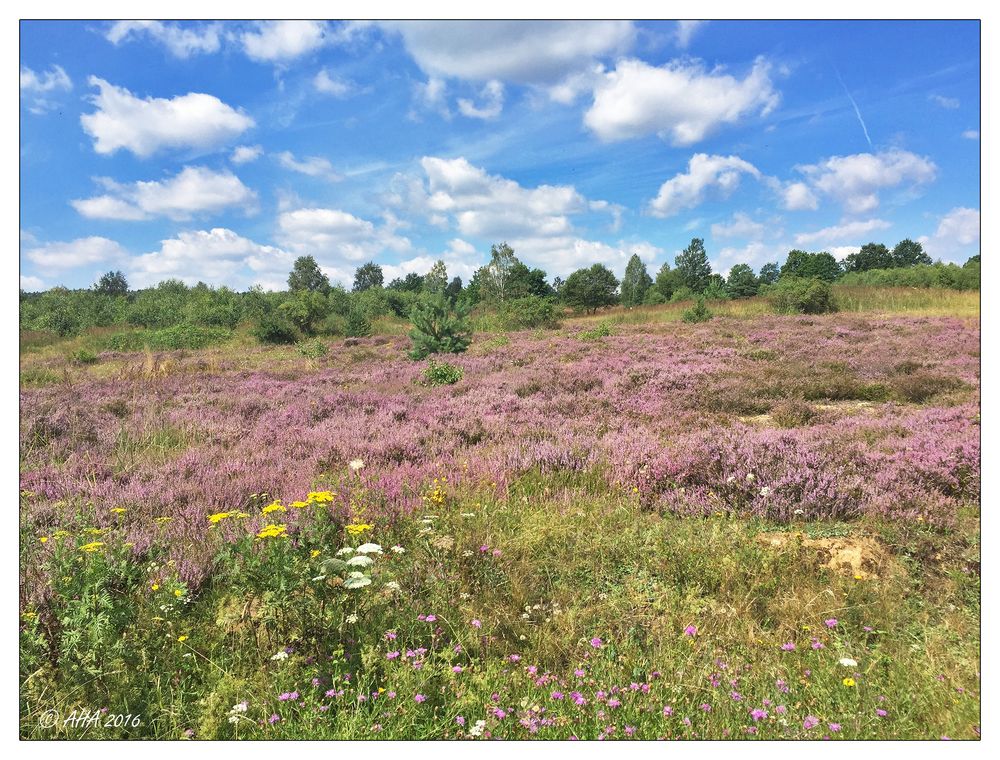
x: 457, y: 669
x: 667, y: 711
x: 477, y: 624
x: 418, y: 698
x: 596, y: 643
x: 691, y: 630
x: 831, y: 623
x: 430, y: 618
x: 391, y: 655
x: 788, y: 646
x: 811, y: 721
x: 881, y: 713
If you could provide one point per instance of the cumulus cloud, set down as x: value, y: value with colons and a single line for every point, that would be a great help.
x: 37, y: 87
x: 76, y: 253
x: 283, y: 40
x: 754, y: 253
x: 740, y: 226
x: 311, y: 166
x: 562, y: 255
x: 681, y: 102
x: 492, y: 102
x: 218, y: 257
x: 31, y: 284
x: 716, y: 174
x: 957, y: 235
x: 796, y: 196
x: 522, y: 52
x: 244, y: 154
x: 460, y: 259
x: 194, y: 191
x: 182, y: 42
x: 856, y: 180
x: 327, y: 84
x: 332, y: 235
x: 686, y: 30
x: 841, y: 232
x: 145, y: 126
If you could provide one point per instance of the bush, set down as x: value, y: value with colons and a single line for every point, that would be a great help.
x: 85, y: 356
x: 274, y: 328
x: 653, y: 298
x: 312, y: 349
x: 683, y: 293
x: 716, y: 292
x: 603, y: 330
x: 793, y: 413
x: 921, y: 386
x: 697, y: 313
x: 168, y: 339
x: 527, y: 313
x: 437, y: 328
x: 357, y: 324
x: 798, y: 295
x: 442, y: 373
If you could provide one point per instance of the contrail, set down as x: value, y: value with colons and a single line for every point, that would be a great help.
x: 856, y: 109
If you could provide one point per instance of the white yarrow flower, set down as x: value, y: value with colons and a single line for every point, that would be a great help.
x: 847, y: 662
x: 765, y: 491
x: 361, y: 560
x: 282, y: 655
x: 369, y: 549
x: 356, y: 464
x: 345, y: 550
x: 397, y: 549
x: 352, y: 618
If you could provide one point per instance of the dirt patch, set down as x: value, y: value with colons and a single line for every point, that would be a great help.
x: 859, y: 557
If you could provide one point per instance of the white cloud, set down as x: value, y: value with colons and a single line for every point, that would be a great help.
x: 949, y: 103
x: 283, y: 40
x: 705, y: 173
x: 147, y: 125
x: 741, y: 226
x: 329, y: 85
x: 492, y: 97
x: 562, y: 255
x: 956, y: 237
x: 333, y: 236
x: 218, y: 257
x: 754, y: 253
x: 523, y: 52
x: 432, y: 96
x: 76, y: 253
x: 680, y: 101
x: 686, y: 30
x: 244, y: 154
x: 971, y: 134
x: 182, y: 42
x: 35, y: 87
x: 856, y: 180
x: 31, y: 284
x: 460, y: 259
x: 796, y: 196
x: 843, y: 231
x: 192, y: 192
x: 311, y: 166
x: 841, y: 252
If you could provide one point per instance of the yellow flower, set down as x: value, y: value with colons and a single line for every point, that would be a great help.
x: 239, y: 515
x: 314, y: 553
x: 178, y: 592
x: 93, y: 546
x: 848, y: 682
x: 300, y: 504
x: 857, y: 576
x: 118, y: 510
x: 182, y: 638
x: 30, y: 615
x: 43, y: 539
x: 806, y: 628
x: 274, y: 506
x: 320, y: 497
x: 60, y: 534
x: 272, y: 531
x: 162, y: 520
x: 218, y: 517
x: 356, y: 529
x: 155, y: 587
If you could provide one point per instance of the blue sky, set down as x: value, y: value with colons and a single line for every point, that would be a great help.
x: 222, y: 151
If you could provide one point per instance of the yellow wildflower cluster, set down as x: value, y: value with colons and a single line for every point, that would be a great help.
x: 356, y: 529
x: 274, y: 506
x: 220, y: 516
x: 60, y: 534
x: 162, y: 520
x: 118, y: 510
x: 437, y: 494
x: 319, y: 497
x: 93, y: 546
x: 273, y: 531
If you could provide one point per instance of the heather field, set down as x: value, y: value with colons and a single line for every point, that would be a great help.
x: 629, y: 527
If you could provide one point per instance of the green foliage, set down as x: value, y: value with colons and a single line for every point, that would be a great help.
x: 716, y: 290
x: 802, y: 264
x: 357, y: 324
x: 454, y: 289
x: 653, y: 297
x: 526, y: 313
x: 213, y: 307
x: 305, y: 309
x: 442, y: 373
x: 112, y: 284
x: 84, y: 356
x: 683, y: 293
x: 161, y: 306
x: 312, y: 349
x: 908, y: 253
x: 603, y: 329
x: 798, y: 295
x: 697, y: 313
x: 168, y: 339
x: 937, y: 275
x: 667, y: 281
x: 436, y: 280
x: 693, y: 267
x: 769, y: 273
x: 412, y: 283
x: 438, y: 328
x: 493, y: 282
x: 306, y: 275
x: 367, y: 276
x: 871, y: 256
x: 635, y: 283
x: 742, y: 282
x: 590, y: 289
x: 275, y: 328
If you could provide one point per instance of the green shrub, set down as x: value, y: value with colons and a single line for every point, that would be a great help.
x: 438, y: 328
x: 305, y: 310
x: 357, y: 324
x: 274, y: 328
x: 716, y: 292
x: 168, y: 339
x: 84, y: 356
x: 312, y: 349
x: 920, y: 386
x: 793, y: 413
x: 697, y: 313
x: 683, y: 293
x: 527, y: 313
x: 602, y: 330
x: 653, y: 298
x: 442, y: 373
x: 798, y: 295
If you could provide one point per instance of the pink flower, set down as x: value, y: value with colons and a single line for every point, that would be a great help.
x: 460, y: 720
x: 418, y: 698
x: 497, y: 552
x: 758, y: 714
x: 477, y: 624
x: 557, y: 695
x: 390, y: 635
x: 430, y: 618
x: 391, y: 655
x: 811, y: 721
x: 596, y: 643
x: 835, y: 727
x: 831, y: 623
x: 881, y: 713
x: 691, y: 630
x: 667, y: 711
x: 579, y: 672
x: 788, y: 646
x: 457, y: 669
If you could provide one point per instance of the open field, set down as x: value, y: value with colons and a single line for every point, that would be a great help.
x: 758, y: 526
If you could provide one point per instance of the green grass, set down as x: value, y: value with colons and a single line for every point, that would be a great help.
x: 565, y: 561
